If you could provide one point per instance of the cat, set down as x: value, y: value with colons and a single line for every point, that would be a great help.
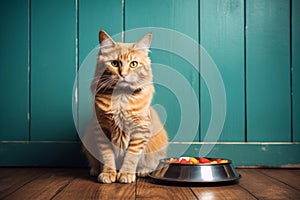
x: 128, y: 135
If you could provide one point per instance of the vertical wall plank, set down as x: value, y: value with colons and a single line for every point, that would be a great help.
x: 93, y: 16
x: 14, y: 70
x: 222, y: 36
x: 296, y: 68
x: 268, y: 70
x: 179, y: 16
x: 52, y: 69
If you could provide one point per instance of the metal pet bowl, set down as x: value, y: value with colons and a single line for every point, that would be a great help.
x: 195, y: 173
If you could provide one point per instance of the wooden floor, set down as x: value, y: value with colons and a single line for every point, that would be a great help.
x: 66, y: 183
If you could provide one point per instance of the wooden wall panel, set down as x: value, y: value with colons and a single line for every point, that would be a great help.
x: 53, y: 69
x: 42, y: 35
x: 14, y: 70
x: 222, y: 36
x: 296, y: 68
x: 268, y: 70
x: 95, y: 15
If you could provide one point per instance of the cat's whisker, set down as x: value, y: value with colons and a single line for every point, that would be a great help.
x: 104, y: 85
x: 99, y: 79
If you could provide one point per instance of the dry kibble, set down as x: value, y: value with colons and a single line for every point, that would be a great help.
x: 193, y: 160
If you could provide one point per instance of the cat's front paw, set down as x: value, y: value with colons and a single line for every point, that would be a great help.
x: 126, y: 177
x: 107, y: 177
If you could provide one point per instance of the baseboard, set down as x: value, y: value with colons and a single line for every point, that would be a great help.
x: 69, y: 154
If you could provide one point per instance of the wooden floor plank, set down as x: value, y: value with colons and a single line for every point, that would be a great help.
x: 11, y: 179
x: 43, y: 183
x: 148, y: 190
x: 265, y: 187
x: 45, y: 186
x: 230, y: 192
x: 290, y: 177
x: 86, y: 187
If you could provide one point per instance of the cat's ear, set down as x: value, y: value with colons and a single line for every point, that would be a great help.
x: 144, y: 43
x: 105, y: 40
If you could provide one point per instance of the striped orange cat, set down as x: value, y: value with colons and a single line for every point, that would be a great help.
x: 126, y: 130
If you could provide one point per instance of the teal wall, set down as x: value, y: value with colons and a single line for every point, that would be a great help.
x: 254, y: 43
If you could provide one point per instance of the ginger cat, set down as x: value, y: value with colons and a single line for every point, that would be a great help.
x: 126, y: 130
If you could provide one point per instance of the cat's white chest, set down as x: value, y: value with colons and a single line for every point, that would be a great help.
x: 120, y: 103
x: 120, y: 114
x: 121, y: 136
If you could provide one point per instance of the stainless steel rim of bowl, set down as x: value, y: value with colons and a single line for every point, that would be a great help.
x: 202, y: 173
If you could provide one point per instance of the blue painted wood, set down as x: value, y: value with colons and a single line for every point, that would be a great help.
x: 93, y: 16
x: 222, y: 36
x: 14, y: 70
x: 53, y: 69
x: 296, y: 69
x: 268, y: 70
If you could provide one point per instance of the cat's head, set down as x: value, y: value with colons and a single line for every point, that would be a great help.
x: 124, y: 65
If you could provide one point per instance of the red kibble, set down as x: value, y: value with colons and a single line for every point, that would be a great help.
x: 204, y: 160
x: 184, y: 161
x: 195, y: 161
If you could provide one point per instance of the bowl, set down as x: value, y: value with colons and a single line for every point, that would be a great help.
x: 203, y: 173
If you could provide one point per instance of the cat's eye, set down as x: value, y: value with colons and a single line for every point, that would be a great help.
x: 133, y: 64
x: 115, y: 63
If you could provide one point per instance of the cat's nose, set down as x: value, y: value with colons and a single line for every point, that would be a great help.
x: 123, y: 72
x: 123, y: 75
